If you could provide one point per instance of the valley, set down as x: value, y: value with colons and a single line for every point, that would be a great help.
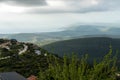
x: 75, y: 31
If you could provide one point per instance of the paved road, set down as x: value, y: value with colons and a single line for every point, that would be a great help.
x: 24, y: 50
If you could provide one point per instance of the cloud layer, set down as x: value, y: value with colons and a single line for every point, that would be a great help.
x: 65, y: 6
x: 24, y: 2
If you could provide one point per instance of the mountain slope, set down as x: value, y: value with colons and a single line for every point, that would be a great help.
x: 95, y: 47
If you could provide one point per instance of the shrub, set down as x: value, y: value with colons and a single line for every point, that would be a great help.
x: 75, y: 69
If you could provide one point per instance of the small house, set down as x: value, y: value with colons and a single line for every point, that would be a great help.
x: 38, y: 52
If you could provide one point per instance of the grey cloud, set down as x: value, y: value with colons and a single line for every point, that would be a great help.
x: 38, y: 11
x: 25, y: 2
x: 102, y: 5
x: 82, y: 6
x: 72, y: 6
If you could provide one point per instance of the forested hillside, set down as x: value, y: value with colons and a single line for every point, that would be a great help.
x: 95, y: 47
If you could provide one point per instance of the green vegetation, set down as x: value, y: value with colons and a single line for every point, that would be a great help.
x: 27, y: 63
x: 96, y: 47
x: 75, y: 69
x: 47, y: 66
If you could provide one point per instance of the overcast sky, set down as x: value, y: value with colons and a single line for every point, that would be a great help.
x: 18, y: 16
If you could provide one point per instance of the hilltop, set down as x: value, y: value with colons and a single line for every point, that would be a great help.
x: 14, y: 48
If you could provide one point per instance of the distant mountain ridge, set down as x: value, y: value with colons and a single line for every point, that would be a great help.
x: 75, y: 31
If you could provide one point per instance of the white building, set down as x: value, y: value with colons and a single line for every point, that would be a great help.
x: 38, y: 52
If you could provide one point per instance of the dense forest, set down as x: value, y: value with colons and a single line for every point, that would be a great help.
x: 95, y: 47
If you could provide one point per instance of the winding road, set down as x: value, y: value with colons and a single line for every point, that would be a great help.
x: 24, y: 50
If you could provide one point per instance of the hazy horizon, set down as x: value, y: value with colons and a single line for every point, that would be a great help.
x: 32, y: 16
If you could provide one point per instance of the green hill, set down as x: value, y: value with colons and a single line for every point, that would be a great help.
x: 95, y: 47
x: 24, y: 58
